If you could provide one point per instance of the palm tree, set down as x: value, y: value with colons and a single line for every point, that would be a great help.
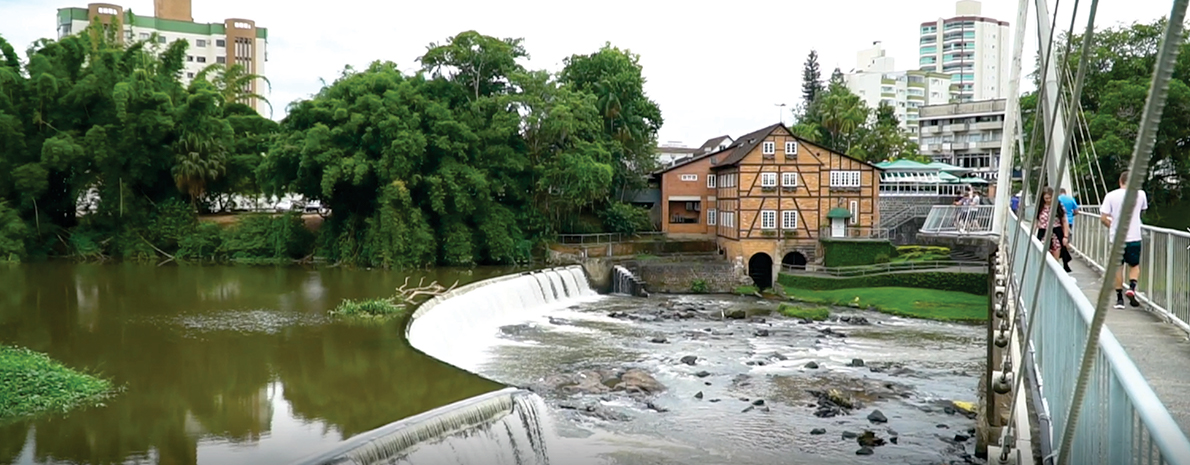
x: 233, y: 83
x: 199, y: 161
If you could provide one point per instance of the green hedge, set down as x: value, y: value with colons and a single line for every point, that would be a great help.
x: 855, y: 253
x: 971, y: 283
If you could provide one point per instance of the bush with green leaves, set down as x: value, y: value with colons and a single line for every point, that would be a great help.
x: 267, y: 238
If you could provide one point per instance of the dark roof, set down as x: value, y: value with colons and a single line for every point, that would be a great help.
x: 687, y: 161
x: 746, y: 143
x: 713, y: 143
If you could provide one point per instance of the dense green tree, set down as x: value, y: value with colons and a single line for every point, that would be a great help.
x: 1115, y: 90
x: 632, y: 120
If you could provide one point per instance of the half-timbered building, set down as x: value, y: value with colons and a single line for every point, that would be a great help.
x: 776, y: 195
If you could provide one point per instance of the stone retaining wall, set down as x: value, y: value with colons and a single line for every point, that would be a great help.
x: 677, y: 278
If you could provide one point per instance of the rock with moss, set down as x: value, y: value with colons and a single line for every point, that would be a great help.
x: 805, y: 313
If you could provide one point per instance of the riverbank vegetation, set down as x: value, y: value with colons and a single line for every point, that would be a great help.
x: 472, y: 159
x: 404, y: 299
x: 32, y: 383
x: 815, y: 313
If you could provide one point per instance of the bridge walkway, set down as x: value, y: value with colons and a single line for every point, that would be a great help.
x: 1160, y: 350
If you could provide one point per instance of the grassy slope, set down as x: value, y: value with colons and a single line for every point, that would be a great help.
x: 32, y: 383
x: 904, y: 301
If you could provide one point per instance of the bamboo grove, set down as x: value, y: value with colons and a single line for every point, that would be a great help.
x: 473, y: 159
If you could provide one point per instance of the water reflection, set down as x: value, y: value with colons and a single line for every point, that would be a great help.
x: 221, y: 364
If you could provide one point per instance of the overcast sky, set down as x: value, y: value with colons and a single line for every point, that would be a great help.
x: 714, y: 69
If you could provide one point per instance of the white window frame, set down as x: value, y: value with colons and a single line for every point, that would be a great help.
x: 689, y: 177
x: 853, y: 206
x: 791, y: 147
x: 711, y: 181
x: 768, y: 147
x: 768, y: 219
x: 200, y: 42
x: 789, y: 220
x: 845, y: 178
x: 711, y: 217
x: 768, y: 179
x: 789, y: 179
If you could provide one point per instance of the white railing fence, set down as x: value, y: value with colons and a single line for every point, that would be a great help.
x: 959, y: 220
x: 1164, y: 283
x: 1122, y: 419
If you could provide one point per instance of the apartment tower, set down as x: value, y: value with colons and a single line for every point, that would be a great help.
x: 972, y: 49
x: 233, y: 41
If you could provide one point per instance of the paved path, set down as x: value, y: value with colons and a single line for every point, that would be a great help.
x: 1160, y: 350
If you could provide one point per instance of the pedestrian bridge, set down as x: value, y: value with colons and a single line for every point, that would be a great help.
x: 1136, y: 407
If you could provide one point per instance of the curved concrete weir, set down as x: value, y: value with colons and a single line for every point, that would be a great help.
x: 502, y: 427
x: 506, y: 427
x: 458, y: 327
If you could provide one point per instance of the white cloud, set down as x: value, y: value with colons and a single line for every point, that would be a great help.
x: 714, y: 70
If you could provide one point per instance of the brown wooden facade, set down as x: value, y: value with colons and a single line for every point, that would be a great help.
x: 800, y: 185
x: 687, y: 199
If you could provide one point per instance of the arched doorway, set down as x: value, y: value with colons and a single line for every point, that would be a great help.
x: 795, y: 260
x: 760, y: 268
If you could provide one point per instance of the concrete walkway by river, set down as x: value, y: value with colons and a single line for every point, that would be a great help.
x: 1160, y: 350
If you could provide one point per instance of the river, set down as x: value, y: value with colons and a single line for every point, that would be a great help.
x: 238, y: 364
x: 219, y: 364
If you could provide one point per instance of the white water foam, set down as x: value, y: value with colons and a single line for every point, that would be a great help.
x: 462, y: 326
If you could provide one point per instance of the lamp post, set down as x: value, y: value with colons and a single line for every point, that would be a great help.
x: 781, y: 110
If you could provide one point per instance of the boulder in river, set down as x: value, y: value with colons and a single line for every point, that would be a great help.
x: 817, y: 431
x: 877, y: 417
x: 636, y: 380
x: 690, y: 359
x: 812, y: 365
x: 737, y: 314
x: 869, y: 439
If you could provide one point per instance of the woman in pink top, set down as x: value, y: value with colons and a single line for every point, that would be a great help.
x: 1056, y: 222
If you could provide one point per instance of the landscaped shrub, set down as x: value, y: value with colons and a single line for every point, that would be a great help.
x: 698, y: 287
x: 921, y: 253
x: 971, y: 283
x: 854, y: 253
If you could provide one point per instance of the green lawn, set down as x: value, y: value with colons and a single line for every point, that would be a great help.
x: 32, y: 383
x: 903, y: 301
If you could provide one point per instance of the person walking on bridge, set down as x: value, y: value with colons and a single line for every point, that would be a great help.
x: 1057, y: 223
x: 1071, y: 207
x: 1112, y: 208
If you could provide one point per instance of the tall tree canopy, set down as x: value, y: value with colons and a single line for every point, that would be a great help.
x: 841, y: 121
x: 471, y: 159
x: 1116, y: 87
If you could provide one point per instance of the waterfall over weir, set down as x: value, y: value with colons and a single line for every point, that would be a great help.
x: 624, y: 282
x: 506, y: 427
x: 458, y: 327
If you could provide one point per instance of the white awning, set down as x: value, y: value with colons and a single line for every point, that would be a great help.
x: 685, y: 198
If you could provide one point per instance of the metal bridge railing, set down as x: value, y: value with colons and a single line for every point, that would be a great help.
x: 1122, y: 419
x: 961, y: 266
x: 854, y: 232
x: 1164, y: 265
x: 959, y: 220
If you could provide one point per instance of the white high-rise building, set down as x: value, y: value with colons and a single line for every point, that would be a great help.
x: 973, y: 50
x: 875, y: 80
x: 234, y: 41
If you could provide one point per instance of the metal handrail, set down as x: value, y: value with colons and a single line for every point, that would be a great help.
x: 1164, y: 284
x: 604, y: 238
x: 882, y: 268
x: 1123, y: 419
x: 854, y: 232
x: 960, y: 220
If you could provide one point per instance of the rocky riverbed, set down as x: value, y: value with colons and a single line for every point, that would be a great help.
x: 694, y: 379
